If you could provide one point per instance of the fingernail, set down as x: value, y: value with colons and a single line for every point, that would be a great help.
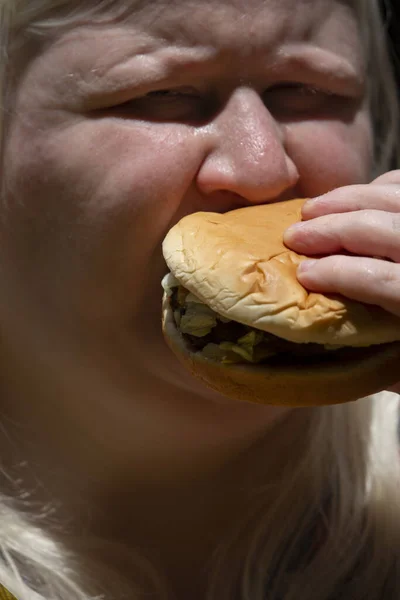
x: 311, y: 203
x: 292, y: 229
x: 308, y: 204
x: 307, y: 265
x: 298, y: 225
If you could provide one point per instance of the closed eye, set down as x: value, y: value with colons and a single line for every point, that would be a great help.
x: 173, y: 93
x: 300, y: 99
x: 183, y: 104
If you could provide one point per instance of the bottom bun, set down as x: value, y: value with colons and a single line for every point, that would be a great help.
x: 362, y: 372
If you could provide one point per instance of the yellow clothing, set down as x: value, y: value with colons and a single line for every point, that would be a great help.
x: 5, y: 594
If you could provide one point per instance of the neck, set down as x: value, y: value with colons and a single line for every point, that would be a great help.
x: 170, y: 478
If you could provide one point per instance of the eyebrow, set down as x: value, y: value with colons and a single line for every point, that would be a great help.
x: 142, y: 67
x: 336, y: 68
x: 145, y: 65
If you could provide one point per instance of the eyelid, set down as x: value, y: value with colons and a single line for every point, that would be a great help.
x: 103, y: 100
x: 302, y: 89
x: 326, y: 88
x: 294, y: 85
x: 323, y: 68
x: 174, y: 91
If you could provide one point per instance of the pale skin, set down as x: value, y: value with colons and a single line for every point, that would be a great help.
x: 231, y: 103
x: 365, y: 221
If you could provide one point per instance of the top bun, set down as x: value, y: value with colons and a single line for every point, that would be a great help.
x: 238, y: 265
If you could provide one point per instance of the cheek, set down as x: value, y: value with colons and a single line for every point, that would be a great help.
x: 92, y: 203
x: 331, y: 154
x: 145, y: 172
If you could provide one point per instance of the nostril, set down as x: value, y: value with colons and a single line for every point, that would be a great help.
x: 251, y: 181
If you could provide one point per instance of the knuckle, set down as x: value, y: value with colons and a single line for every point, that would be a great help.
x: 389, y: 177
x: 369, y: 220
x: 390, y: 275
x: 394, y: 176
x: 335, y: 267
x: 396, y: 223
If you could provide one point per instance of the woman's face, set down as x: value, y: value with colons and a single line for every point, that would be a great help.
x: 120, y: 129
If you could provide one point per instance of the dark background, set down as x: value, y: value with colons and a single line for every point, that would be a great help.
x: 391, y: 11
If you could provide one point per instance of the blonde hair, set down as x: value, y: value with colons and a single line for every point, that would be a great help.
x: 342, y: 489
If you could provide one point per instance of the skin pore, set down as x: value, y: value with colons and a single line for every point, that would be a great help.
x: 118, y: 131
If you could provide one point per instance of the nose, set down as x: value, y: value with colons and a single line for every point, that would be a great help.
x: 247, y: 155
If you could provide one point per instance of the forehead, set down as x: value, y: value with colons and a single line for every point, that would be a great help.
x: 241, y: 26
x: 151, y: 38
x: 200, y: 21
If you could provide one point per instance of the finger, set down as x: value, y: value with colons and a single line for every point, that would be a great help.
x: 388, y: 177
x: 375, y: 196
x: 367, y: 280
x: 366, y: 233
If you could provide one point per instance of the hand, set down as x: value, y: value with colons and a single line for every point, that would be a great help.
x: 363, y: 220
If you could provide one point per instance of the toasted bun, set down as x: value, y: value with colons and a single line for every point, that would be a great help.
x: 237, y: 264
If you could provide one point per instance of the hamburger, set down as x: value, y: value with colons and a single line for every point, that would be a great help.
x: 236, y: 316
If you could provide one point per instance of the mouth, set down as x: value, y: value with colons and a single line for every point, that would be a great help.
x: 239, y: 320
x: 214, y: 337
